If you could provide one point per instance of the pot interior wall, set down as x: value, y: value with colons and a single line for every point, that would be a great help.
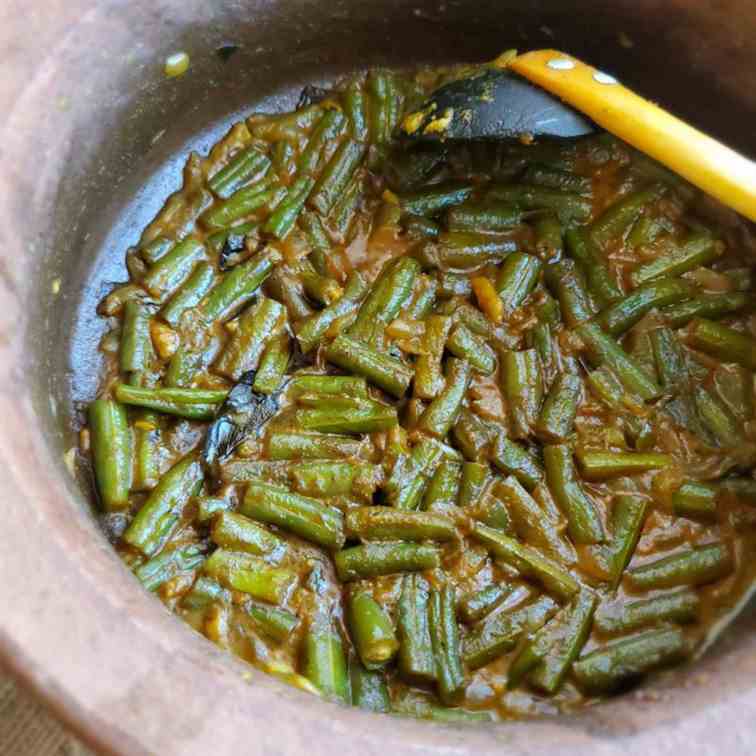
x: 116, y: 132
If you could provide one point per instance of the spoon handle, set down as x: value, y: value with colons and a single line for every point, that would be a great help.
x: 705, y: 162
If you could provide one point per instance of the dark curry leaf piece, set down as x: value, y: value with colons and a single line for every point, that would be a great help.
x: 235, y: 250
x: 244, y: 412
x: 311, y: 95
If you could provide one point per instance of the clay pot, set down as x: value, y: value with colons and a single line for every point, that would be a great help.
x: 87, y: 120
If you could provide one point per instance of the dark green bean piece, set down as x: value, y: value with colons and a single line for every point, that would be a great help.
x: 465, y: 250
x: 371, y: 630
x: 499, y: 634
x: 168, y: 565
x: 557, y: 419
x: 283, y: 157
x: 583, y: 521
x: 604, y: 350
x: 355, y: 107
x: 369, y: 688
x: 317, y: 238
x: 523, y: 387
x: 548, y: 237
x: 284, y: 217
x: 617, y: 220
x: 453, y: 284
x: 428, y: 379
x: 513, y: 459
x: 475, y: 478
x: 411, y: 473
x: 136, y: 344
x: 209, y: 506
x: 419, y: 227
x: 555, y: 178
x: 531, y: 522
x: 517, y: 278
x: 153, y: 524
x: 434, y: 199
x: 273, y: 365
x: 336, y: 176
x: 170, y: 272
x: 387, y: 295
x: 238, y: 533
x: 601, y: 285
x: 195, y: 404
x: 338, y: 385
x: 692, y: 567
x: 549, y: 654
x: 443, y: 490
x: 609, y: 667
x: 311, y: 330
x: 276, y: 623
x: 695, y: 500
x: 190, y: 294
x: 386, y: 372
x: 716, y: 418
x: 623, y: 315
x: 204, y: 593
x: 722, y: 342
x: 628, y: 515
x: 321, y: 289
x: 472, y: 436
x: 111, y: 444
x: 492, y: 508
x: 568, y: 284
x: 347, y: 415
x: 542, y: 340
x: 441, y: 413
x: 255, y: 327
x: 223, y: 215
x: 707, y: 306
x: 442, y: 621
x: 477, y: 605
x: 379, y: 87
x: 570, y: 207
x: 483, y: 216
x: 248, y: 166
x: 292, y: 445
x: 647, y: 230
x: 324, y: 478
x: 238, y: 286
x: 375, y: 559
x: 329, y: 127
x: 342, y: 216
x: 527, y: 561
x: 288, y: 126
x: 669, y: 357
x: 602, y: 465
x: 391, y: 524
x: 733, y: 385
x: 698, y: 249
x: 679, y: 607
x: 147, y: 451
x: 416, y: 661
x: 466, y: 345
x: 324, y: 663
x: 304, y: 516
x: 423, y: 298
x: 156, y: 249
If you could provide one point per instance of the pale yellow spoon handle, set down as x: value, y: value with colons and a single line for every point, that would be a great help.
x: 705, y: 162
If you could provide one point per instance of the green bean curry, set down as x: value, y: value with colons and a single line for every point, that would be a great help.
x: 462, y: 431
